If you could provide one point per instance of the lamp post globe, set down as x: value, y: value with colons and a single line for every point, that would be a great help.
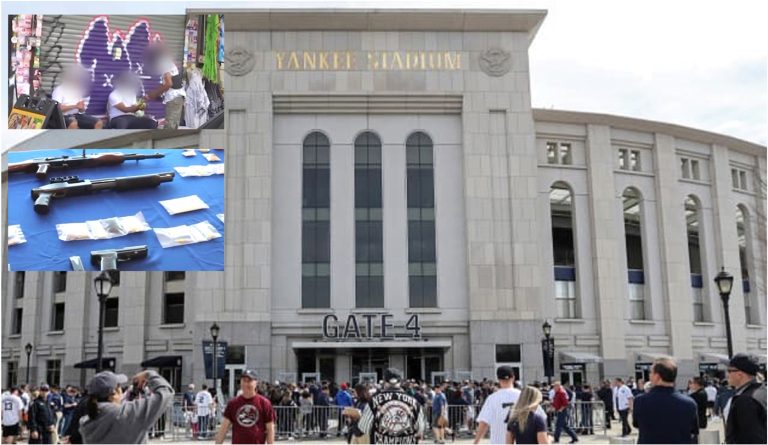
x: 547, y: 328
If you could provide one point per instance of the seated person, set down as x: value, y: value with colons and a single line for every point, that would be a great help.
x: 71, y: 94
x: 125, y: 111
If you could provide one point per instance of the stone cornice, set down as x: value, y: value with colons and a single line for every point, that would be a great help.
x: 456, y: 20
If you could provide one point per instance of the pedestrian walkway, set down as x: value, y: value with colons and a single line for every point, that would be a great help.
x: 592, y: 439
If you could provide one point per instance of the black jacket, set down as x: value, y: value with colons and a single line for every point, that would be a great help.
x: 664, y: 416
x: 606, y: 396
x: 747, y: 416
x: 41, y: 416
x: 700, y: 397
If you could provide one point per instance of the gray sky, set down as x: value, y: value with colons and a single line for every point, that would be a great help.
x: 700, y: 63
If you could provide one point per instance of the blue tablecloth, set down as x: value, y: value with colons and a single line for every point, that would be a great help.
x: 43, y: 249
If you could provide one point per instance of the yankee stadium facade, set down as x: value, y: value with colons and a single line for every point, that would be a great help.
x: 394, y: 201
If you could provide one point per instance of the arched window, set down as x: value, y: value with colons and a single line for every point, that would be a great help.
x: 369, y: 257
x: 692, y: 225
x: 563, y: 251
x: 631, y: 200
x: 316, y: 222
x: 422, y: 259
x: 742, y: 233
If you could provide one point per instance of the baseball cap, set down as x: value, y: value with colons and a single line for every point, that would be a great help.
x: 250, y: 373
x: 745, y: 363
x: 343, y: 386
x: 104, y: 383
x: 505, y: 372
x: 393, y: 375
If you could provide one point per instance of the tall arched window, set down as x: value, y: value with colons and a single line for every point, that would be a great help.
x: 563, y: 251
x: 742, y: 233
x: 422, y: 259
x: 369, y: 257
x: 316, y: 222
x: 631, y: 200
x: 694, y: 256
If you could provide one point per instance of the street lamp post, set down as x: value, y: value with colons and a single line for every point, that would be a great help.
x: 28, y: 349
x: 215, y: 336
x: 724, y: 282
x: 548, y: 351
x: 103, y: 286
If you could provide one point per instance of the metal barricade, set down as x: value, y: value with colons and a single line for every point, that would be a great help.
x: 462, y: 420
x: 313, y: 422
x: 584, y: 418
x: 184, y: 423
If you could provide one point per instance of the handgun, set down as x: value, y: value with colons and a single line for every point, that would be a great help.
x: 107, y: 259
x: 40, y: 166
x: 72, y: 186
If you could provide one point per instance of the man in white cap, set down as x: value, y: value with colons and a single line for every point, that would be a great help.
x: 250, y: 414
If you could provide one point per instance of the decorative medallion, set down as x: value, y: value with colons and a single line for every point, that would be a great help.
x: 495, y: 62
x: 238, y: 61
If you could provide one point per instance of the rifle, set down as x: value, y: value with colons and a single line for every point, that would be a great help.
x: 73, y: 186
x: 40, y: 166
x: 107, y: 259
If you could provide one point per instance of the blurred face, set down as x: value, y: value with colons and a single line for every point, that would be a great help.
x: 737, y: 378
x: 248, y: 385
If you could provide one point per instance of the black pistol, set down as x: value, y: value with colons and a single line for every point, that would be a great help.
x: 107, y: 259
x: 40, y: 166
x: 73, y: 186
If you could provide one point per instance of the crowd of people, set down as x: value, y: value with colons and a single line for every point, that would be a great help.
x: 126, y: 103
x: 115, y: 409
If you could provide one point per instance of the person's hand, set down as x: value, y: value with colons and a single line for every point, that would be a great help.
x: 146, y: 98
x: 81, y: 106
x: 52, y: 428
x: 139, y: 380
x: 33, y: 434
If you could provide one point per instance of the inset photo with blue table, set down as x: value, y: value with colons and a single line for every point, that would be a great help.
x: 107, y: 209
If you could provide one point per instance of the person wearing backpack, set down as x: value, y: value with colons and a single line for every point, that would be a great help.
x: 745, y: 413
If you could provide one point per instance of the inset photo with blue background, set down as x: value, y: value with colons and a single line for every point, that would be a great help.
x: 107, y: 209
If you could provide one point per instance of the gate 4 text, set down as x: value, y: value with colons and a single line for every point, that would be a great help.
x: 378, y: 326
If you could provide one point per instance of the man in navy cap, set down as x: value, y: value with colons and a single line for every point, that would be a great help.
x: 250, y: 414
x: 746, y: 415
x: 42, y: 420
x: 392, y: 415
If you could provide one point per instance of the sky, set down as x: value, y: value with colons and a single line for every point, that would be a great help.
x: 702, y: 64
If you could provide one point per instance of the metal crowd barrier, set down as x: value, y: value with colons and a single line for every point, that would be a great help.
x: 181, y: 423
x: 313, y: 422
x: 320, y: 422
x: 585, y: 418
